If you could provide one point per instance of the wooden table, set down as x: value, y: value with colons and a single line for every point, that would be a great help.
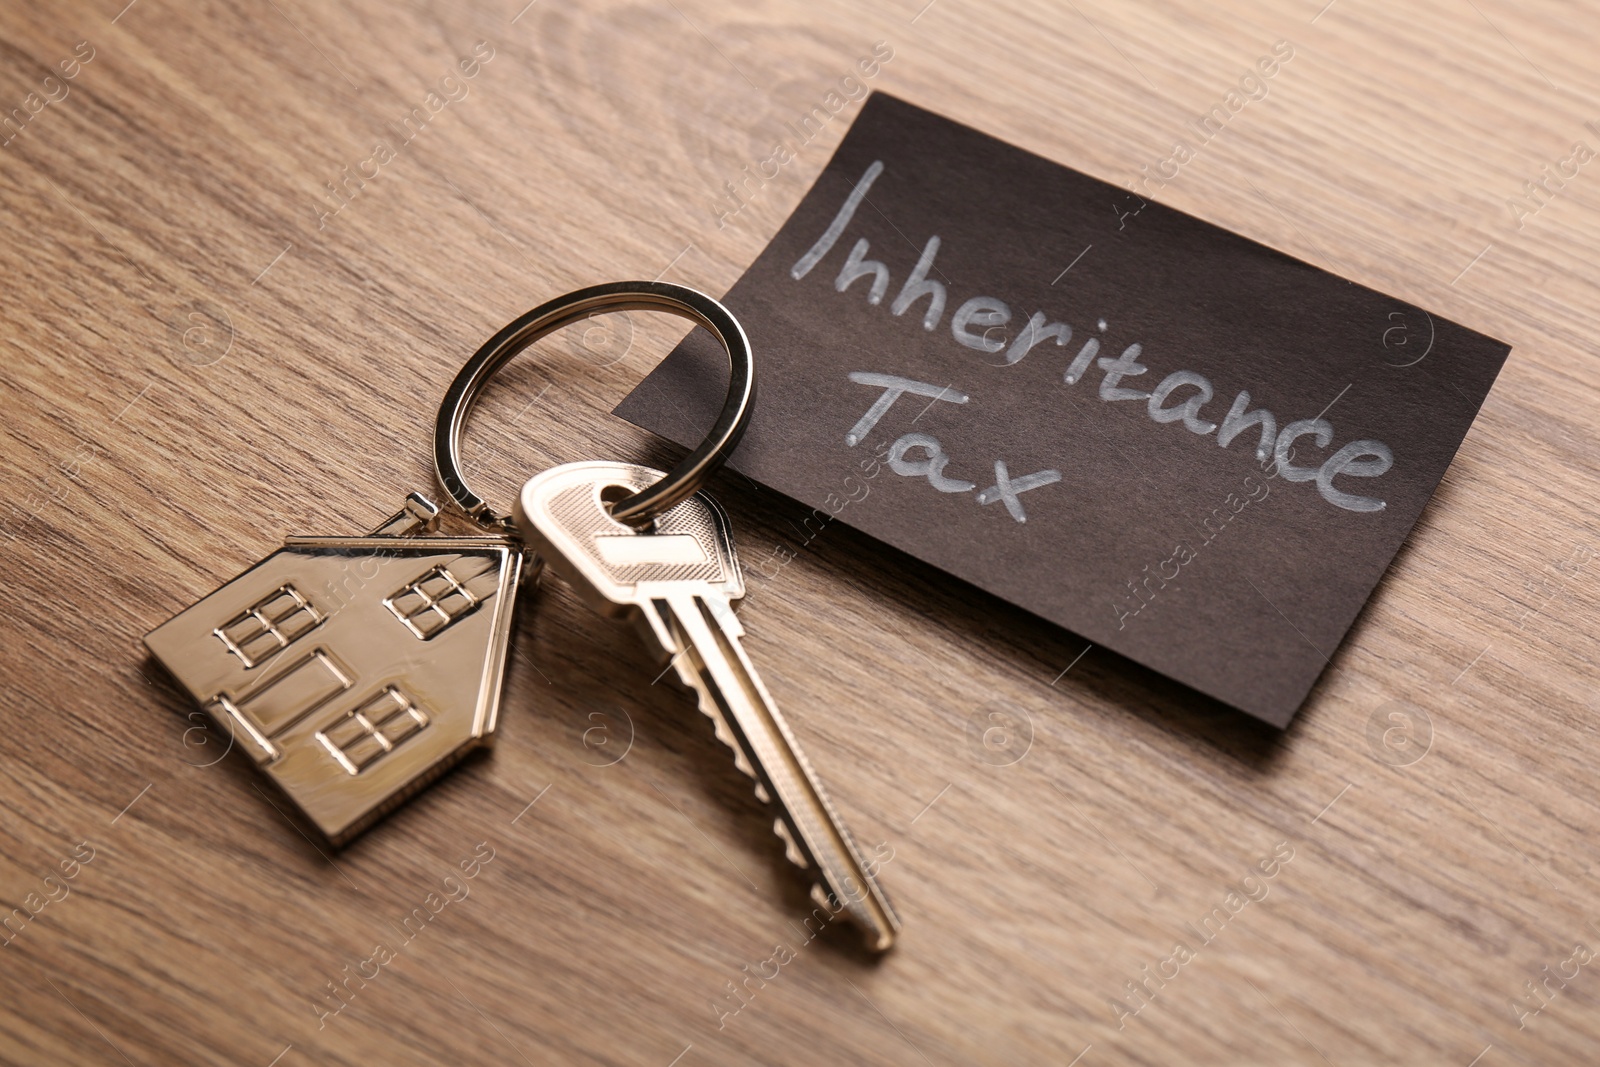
x: 207, y: 347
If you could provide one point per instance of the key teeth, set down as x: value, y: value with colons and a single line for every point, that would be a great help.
x: 725, y: 735
x: 720, y: 726
x: 790, y: 850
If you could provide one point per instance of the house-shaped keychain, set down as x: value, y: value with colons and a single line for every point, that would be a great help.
x: 354, y: 670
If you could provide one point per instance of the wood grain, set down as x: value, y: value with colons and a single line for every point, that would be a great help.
x: 150, y: 454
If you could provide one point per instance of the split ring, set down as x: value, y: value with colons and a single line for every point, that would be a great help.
x: 684, y: 479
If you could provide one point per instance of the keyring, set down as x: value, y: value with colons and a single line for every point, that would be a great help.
x: 684, y: 479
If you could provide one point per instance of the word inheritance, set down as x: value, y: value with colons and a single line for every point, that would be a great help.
x: 1178, y: 399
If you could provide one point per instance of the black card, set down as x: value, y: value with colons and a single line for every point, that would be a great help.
x: 1174, y: 441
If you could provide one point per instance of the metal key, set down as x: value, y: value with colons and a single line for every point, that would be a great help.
x: 677, y: 582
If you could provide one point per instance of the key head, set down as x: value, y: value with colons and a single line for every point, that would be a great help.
x: 562, y: 515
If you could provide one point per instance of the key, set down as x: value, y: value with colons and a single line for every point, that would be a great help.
x: 677, y: 582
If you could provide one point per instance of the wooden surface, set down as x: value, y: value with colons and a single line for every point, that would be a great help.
x: 195, y: 366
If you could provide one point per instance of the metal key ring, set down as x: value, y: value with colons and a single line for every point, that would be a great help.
x: 688, y: 475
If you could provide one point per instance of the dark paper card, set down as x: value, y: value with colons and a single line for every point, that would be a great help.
x: 1176, y: 442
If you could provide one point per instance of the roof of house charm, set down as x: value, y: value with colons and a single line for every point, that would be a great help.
x: 354, y: 670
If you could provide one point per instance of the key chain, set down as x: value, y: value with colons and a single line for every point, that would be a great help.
x: 355, y: 670
x: 645, y: 547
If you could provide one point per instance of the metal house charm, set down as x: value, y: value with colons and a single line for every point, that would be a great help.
x: 354, y: 670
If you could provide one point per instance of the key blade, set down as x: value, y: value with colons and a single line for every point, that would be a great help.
x: 712, y: 661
